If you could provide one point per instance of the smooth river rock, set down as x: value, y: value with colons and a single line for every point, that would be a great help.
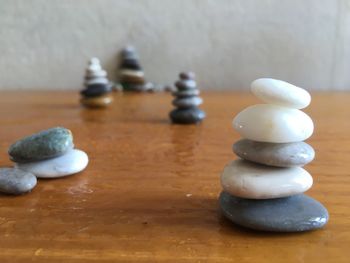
x: 74, y: 161
x: 276, y: 124
x: 275, y: 154
x: 43, y: 145
x: 15, y: 181
x: 255, y: 181
x: 281, y: 93
x: 290, y: 214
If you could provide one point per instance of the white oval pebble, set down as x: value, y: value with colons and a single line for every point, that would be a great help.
x: 249, y: 180
x: 281, y: 93
x: 74, y: 161
x: 270, y: 123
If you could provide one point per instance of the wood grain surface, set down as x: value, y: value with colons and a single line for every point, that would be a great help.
x: 149, y: 193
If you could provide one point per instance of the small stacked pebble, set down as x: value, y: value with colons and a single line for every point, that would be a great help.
x: 187, y: 101
x: 264, y: 190
x: 131, y: 75
x: 97, y: 87
x: 48, y: 154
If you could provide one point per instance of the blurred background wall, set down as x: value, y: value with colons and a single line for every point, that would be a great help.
x: 45, y: 44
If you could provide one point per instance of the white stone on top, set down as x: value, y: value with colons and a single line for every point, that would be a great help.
x: 281, y: 93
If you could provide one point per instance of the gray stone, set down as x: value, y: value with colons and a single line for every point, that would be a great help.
x: 187, y: 116
x: 275, y: 154
x: 290, y: 214
x: 186, y: 84
x: 43, y: 145
x: 187, y: 102
x: 15, y: 181
x: 186, y: 93
x: 187, y: 75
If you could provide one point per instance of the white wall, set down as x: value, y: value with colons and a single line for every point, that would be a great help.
x: 45, y: 44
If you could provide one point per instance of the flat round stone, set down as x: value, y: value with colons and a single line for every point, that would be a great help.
x: 187, y: 102
x: 186, y: 93
x: 97, y: 102
x: 93, y: 81
x: 275, y: 154
x: 186, y: 84
x: 187, y: 116
x: 276, y: 124
x: 15, y: 181
x: 281, y: 93
x: 95, y: 90
x: 290, y: 214
x: 74, y: 161
x: 255, y: 181
x: 43, y: 145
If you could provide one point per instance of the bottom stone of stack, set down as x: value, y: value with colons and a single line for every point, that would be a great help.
x: 97, y: 102
x: 289, y: 214
x: 187, y: 116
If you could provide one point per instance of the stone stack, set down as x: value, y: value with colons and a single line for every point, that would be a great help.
x: 48, y: 154
x: 264, y: 190
x: 97, y: 92
x: 186, y: 101
x: 131, y: 75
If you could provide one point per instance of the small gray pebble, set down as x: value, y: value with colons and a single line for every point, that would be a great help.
x: 15, y: 181
x: 43, y: 145
x: 290, y: 214
x: 275, y: 154
x: 187, y: 102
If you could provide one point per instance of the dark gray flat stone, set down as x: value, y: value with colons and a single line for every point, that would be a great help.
x: 275, y: 154
x: 187, y: 102
x: 290, y: 214
x: 15, y: 181
x: 43, y: 145
x: 187, y: 116
x: 95, y: 90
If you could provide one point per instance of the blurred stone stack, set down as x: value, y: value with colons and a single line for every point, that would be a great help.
x: 97, y: 87
x: 131, y: 75
x: 187, y: 101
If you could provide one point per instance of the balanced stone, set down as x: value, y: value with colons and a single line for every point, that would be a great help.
x: 186, y: 84
x: 96, y: 90
x: 276, y: 124
x: 187, y: 116
x: 275, y: 154
x: 15, y: 181
x: 186, y: 93
x: 250, y: 180
x: 43, y: 145
x: 290, y: 214
x: 74, y: 161
x: 187, y: 102
x: 281, y: 93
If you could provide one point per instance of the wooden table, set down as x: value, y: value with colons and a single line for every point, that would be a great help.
x: 150, y: 191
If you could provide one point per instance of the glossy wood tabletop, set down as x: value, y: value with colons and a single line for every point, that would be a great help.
x: 149, y: 193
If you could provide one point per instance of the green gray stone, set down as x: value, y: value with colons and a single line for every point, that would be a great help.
x: 43, y: 145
